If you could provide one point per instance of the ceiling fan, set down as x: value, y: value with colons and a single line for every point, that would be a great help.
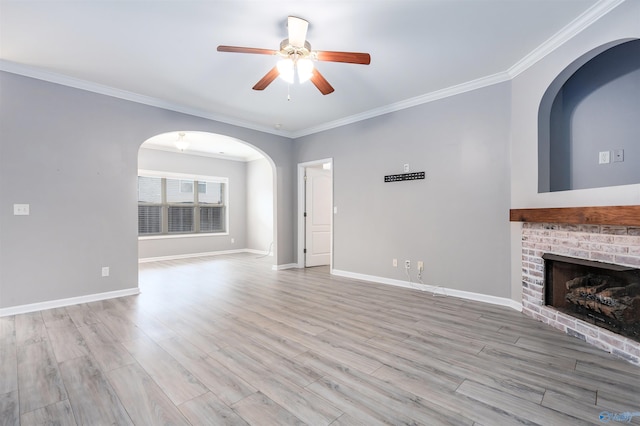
x: 296, y: 55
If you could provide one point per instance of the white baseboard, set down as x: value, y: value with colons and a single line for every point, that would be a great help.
x: 218, y: 253
x: 50, y: 304
x: 260, y: 252
x: 192, y: 255
x: 22, y: 309
x: 515, y: 305
x: 285, y: 266
x: 493, y: 300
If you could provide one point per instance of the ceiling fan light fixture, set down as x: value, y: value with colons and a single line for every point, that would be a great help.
x: 286, y: 70
x: 305, y: 69
x: 295, y: 54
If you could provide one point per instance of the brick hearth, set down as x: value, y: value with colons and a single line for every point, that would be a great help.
x: 611, y: 244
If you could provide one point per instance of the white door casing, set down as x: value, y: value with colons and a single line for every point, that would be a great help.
x: 318, y: 208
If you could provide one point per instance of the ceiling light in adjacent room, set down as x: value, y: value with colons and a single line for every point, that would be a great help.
x: 182, y: 144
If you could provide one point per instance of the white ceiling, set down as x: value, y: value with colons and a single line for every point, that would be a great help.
x: 164, y: 52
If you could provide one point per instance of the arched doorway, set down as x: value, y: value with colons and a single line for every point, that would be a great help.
x: 201, y: 193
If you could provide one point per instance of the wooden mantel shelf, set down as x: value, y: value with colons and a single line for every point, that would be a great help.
x: 609, y: 215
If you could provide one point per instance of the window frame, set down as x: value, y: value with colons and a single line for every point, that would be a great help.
x: 196, y: 205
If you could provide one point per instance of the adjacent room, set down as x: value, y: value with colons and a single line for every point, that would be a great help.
x: 323, y: 213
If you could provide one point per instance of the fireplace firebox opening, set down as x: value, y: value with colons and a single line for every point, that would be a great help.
x: 602, y: 294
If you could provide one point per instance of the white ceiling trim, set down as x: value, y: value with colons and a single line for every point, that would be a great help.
x: 601, y: 8
x: 591, y: 15
x: 184, y: 176
x: 202, y: 154
x: 408, y: 103
x: 40, y: 74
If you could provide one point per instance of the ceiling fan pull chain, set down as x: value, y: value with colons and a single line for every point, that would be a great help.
x: 288, y: 92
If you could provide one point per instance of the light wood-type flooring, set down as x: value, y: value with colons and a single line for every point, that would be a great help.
x: 226, y: 340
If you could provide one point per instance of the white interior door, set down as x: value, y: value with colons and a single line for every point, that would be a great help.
x: 318, y: 216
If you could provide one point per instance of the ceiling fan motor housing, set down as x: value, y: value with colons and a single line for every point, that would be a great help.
x: 287, y: 49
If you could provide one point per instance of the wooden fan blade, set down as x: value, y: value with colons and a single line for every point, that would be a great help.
x: 238, y: 49
x: 267, y: 79
x: 321, y: 83
x: 348, y: 57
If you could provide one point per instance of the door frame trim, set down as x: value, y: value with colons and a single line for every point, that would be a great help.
x: 301, y: 205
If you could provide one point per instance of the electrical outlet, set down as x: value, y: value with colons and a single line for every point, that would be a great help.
x: 407, y: 264
x: 233, y: 241
x: 395, y: 263
x: 105, y: 271
x: 604, y: 157
x: 406, y: 168
x: 420, y: 265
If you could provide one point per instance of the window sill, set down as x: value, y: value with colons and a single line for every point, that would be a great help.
x: 164, y: 237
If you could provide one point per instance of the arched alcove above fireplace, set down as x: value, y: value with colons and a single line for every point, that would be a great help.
x: 589, y: 122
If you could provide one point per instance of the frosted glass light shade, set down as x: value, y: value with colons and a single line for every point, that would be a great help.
x: 286, y: 70
x: 305, y: 69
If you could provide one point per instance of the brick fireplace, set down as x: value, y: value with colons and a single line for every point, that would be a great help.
x: 613, y: 244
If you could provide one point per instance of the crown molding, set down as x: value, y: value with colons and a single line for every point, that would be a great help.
x: 587, y: 18
x: 591, y: 15
x: 202, y: 154
x: 40, y: 74
x: 408, y: 103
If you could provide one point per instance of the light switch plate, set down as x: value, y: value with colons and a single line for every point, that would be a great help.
x: 604, y: 157
x: 21, y: 209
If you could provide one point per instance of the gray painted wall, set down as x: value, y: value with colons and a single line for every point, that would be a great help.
x: 456, y: 220
x: 73, y: 156
x: 235, y: 171
x: 63, y: 150
x: 598, y: 110
x: 259, y: 205
x: 607, y: 118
